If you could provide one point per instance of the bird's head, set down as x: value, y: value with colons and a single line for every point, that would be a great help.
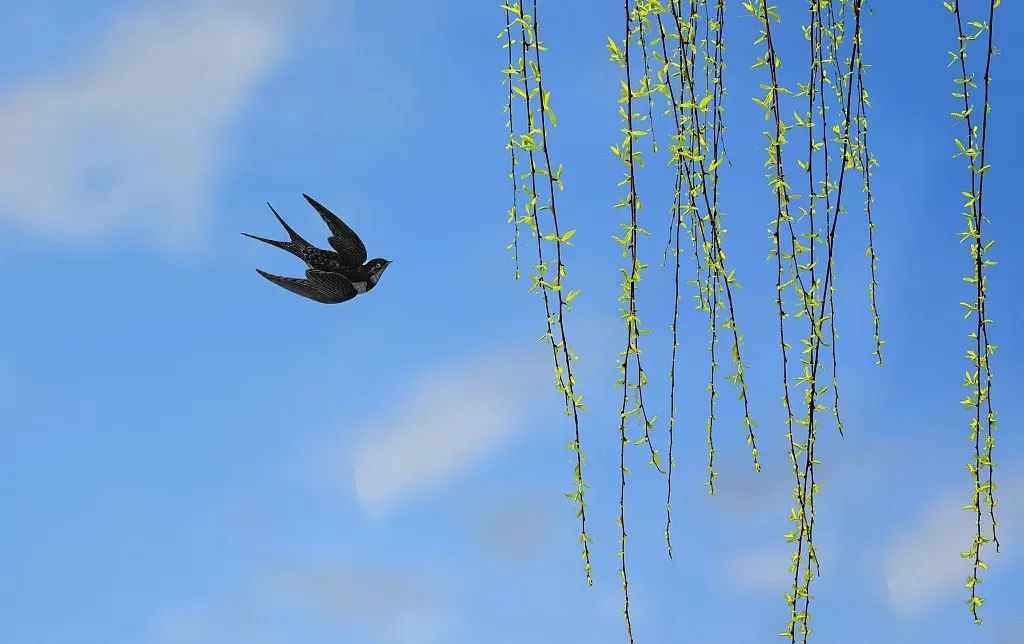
x: 376, y: 268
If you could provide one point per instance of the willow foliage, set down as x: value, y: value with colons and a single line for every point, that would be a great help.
x: 803, y: 234
x: 686, y: 42
x: 530, y: 118
x: 978, y: 379
x: 671, y: 56
x: 691, y: 82
x: 632, y: 380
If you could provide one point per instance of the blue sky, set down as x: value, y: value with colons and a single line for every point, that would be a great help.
x: 192, y: 456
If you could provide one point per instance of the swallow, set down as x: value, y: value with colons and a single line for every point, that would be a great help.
x: 332, y: 276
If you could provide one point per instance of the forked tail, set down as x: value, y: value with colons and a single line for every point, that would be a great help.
x: 296, y: 244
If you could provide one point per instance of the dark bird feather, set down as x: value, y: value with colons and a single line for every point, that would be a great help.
x: 334, y: 276
x: 343, y: 239
x: 320, y: 286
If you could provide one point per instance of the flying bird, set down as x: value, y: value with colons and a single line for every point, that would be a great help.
x: 333, y: 276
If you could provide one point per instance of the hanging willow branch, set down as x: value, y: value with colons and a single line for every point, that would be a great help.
x: 825, y: 36
x: 707, y: 158
x: 697, y: 154
x: 671, y: 67
x: 532, y: 113
x: 816, y: 338
x: 707, y: 154
x: 511, y: 73
x: 978, y: 380
x: 777, y: 179
x: 631, y: 385
x: 866, y: 161
x: 641, y: 16
x: 798, y: 243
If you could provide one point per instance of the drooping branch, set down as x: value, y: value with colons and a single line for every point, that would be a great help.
x: 978, y: 381
x: 777, y: 180
x: 627, y: 153
x: 700, y: 157
x: 704, y: 171
x: 539, y: 183
x: 511, y: 76
x: 866, y: 161
x: 800, y: 245
x: 697, y: 155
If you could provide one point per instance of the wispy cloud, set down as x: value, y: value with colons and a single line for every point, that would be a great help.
x: 435, y: 428
x: 302, y: 602
x: 129, y: 138
x: 923, y: 564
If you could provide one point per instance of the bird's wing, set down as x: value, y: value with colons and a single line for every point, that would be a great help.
x: 343, y: 239
x: 319, y: 286
x: 336, y: 285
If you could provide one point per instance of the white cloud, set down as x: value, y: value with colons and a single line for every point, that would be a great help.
x: 380, y: 604
x: 443, y: 422
x: 923, y: 564
x: 130, y: 137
